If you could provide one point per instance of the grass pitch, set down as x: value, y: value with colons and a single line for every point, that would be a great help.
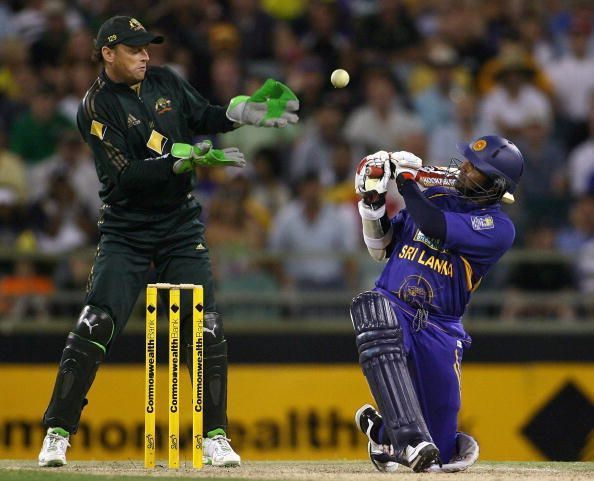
x: 290, y: 471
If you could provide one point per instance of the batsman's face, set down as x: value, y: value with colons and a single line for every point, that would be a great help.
x: 127, y: 64
x: 470, y: 178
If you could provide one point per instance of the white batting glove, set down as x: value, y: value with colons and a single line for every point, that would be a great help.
x: 406, y: 162
x: 373, y: 174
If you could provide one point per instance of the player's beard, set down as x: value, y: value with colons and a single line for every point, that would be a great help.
x: 473, y: 190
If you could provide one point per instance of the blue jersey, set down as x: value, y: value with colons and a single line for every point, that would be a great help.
x: 440, y: 276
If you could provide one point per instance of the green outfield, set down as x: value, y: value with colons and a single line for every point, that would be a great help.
x: 289, y: 471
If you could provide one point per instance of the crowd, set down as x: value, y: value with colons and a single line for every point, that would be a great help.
x: 424, y: 75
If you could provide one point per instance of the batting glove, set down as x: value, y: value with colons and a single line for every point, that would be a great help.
x: 371, y: 178
x: 202, y: 153
x: 406, y: 162
x: 407, y: 167
x: 272, y: 105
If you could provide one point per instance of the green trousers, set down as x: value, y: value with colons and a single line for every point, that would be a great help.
x: 131, y: 242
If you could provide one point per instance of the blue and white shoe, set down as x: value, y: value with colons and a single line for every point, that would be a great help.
x: 381, y: 455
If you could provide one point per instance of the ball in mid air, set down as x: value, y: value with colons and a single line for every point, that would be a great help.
x: 340, y: 78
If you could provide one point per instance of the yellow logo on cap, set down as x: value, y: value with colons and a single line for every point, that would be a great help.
x: 112, y: 38
x: 135, y: 25
x: 479, y: 145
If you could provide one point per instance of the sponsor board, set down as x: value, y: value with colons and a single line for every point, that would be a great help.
x: 515, y: 411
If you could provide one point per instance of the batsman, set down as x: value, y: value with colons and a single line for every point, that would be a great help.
x: 409, y: 331
x: 139, y: 122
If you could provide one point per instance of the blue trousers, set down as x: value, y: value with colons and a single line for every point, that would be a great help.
x: 434, y: 348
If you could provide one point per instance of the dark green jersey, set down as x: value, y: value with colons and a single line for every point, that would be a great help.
x: 131, y: 132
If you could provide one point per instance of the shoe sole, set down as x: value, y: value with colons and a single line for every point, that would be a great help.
x: 54, y: 463
x: 427, y: 456
x: 232, y: 464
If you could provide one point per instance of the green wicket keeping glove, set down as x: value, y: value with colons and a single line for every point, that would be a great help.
x: 272, y: 105
x: 189, y: 156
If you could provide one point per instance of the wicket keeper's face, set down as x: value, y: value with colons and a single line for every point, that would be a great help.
x: 126, y: 63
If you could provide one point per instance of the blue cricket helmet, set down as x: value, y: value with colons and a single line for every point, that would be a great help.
x: 497, y: 158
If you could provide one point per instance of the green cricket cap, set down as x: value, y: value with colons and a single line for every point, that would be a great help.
x: 126, y: 30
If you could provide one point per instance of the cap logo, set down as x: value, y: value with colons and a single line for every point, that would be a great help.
x: 479, y: 145
x: 135, y: 25
x: 112, y: 38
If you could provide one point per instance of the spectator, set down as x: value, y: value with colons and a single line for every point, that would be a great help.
x: 308, y: 78
x: 35, y: 134
x: 510, y: 105
x: 543, y: 193
x: 29, y: 23
x: 535, y: 39
x: 226, y: 75
x: 313, y: 151
x: 382, y: 120
x: 237, y: 219
x: 51, y: 46
x: 80, y: 43
x: 435, y: 104
x: 570, y: 239
x: 13, y: 177
x: 12, y: 217
x: 324, y: 37
x: 310, y: 236
x: 573, y: 80
x: 80, y: 76
x: 6, y: 23
x: 386, y: 33
x: 15, y: 73
x: 268, y: 187
x: 62, y: 222
x: 255, y: 27
x: 341, y: 191
x: 466, y: 126
x: 545, y: 278
x: 581, y: 160
x: 73, y: 160
x: 239, y: 223
x: 465, y: 30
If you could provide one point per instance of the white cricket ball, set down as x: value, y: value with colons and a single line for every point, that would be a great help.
x: 340, y: 78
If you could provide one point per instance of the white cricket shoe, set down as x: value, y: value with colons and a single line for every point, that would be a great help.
x: 218, y: 452
x: 421, y: 456
x: 53, y: 451
x: 381, y: 455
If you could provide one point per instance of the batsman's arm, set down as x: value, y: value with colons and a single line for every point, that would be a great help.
x: 429, y: 218
x: 101, y: 130
x: 377, y: 230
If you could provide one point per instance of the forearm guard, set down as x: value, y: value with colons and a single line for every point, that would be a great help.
x: 377, y: 230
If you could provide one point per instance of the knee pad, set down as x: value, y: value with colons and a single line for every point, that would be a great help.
x: 377, y: 327
x: 213, y: 328
x: 95, y: 325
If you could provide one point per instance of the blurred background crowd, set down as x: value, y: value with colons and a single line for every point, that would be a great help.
x: 284, y: 232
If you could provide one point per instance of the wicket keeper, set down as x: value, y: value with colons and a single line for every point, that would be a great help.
x: 409, y: 331
x: 138, y: 120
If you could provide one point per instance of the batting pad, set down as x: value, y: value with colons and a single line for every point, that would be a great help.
x: 383, y: 361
